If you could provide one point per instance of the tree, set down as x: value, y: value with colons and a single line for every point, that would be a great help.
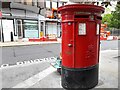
x: 107, y: 19
x: 115, y: 20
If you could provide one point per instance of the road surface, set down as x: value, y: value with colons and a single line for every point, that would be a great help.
x: 16, y: 75
x: 11, y: 55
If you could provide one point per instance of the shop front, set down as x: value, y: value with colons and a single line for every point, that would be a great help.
x: 53, y: 29
x: 31, y: 29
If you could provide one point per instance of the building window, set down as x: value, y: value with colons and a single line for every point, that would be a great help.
x: 47, y: 4
x: 34, y: 2
x: 41, y: 3
x: 25, y: 2
x: 51, y: 29
x: 41, y: 26
x: 31, y: 29
x: 54, y: 5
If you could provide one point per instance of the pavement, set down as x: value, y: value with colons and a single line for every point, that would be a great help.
x: 24, y: 43
x: 43, y: 75
x: 6, y: 44
x: 40, y: 74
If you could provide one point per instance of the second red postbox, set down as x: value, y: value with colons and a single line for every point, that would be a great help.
x: 80, y: 45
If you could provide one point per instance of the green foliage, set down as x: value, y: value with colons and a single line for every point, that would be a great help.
x: 115, y: 20
x: 107, y: 19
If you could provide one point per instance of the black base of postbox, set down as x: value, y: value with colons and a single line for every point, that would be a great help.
x: 80, y: 78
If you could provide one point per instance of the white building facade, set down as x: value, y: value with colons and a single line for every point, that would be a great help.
x: 24, y: 20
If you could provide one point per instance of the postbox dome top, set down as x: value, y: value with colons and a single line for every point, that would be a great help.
x: 81, y: 7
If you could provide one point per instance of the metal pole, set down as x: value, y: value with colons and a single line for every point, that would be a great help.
x: 0, y: 23
x: 2, y: 36
x: 50, y: 4
x: 57, y: 3
x: 112, y: 31
x: 0, y: 29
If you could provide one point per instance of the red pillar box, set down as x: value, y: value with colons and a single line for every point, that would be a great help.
x: 80, y: 45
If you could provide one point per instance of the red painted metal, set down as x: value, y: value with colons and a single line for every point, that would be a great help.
x: 41, y: 39
x: 80, y: 51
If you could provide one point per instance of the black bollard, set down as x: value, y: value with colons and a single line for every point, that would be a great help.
x: 2, y: 37
x: 11, y: 33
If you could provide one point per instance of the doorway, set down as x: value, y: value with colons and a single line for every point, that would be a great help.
x: 7, y: 25
x: 20, y: 29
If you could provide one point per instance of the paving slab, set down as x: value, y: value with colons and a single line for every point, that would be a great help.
x: 108, y: 76
x: 42, y: 75
x: 11, y: 76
